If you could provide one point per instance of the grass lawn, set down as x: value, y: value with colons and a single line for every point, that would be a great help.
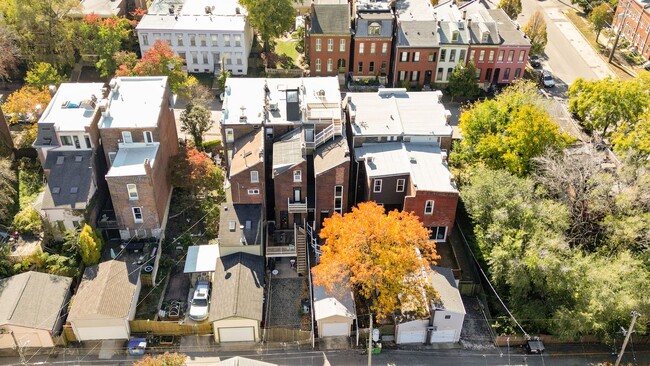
x: 287, y: 48
x: 584, y: 26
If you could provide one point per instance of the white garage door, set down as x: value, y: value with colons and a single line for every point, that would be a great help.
x: 411, y: 336
x: 243, y: 334
x: 443, y: 336
x: 335, y: 329
x: 107, y: 332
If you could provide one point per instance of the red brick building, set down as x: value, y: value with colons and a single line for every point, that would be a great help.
x: 290, y: 180
x: 634, y: 18
x: 331, y: 179
x: 416, y: 53
x: 372, y: 44
x: 329, y: 37
x: 247, y: 175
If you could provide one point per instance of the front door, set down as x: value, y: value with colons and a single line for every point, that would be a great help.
x: 296, y: 194
x: 427, y: 77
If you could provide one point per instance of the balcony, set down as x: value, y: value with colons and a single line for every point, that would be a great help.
x: 281, y: 244
x: 297, y: 206
x: 106, y: 220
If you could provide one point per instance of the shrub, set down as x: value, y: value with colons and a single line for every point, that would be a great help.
x: 28, y: 221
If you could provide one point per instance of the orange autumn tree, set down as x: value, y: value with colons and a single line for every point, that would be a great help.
x: 194, y: 170
x: 377, y: 254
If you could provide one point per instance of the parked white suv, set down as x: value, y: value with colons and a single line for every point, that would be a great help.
x: 200, y: 306
x: 547, y: 79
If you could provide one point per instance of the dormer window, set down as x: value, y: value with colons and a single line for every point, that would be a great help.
x: 374, y: 29
x: 454, y: 36
x: 484, y: 37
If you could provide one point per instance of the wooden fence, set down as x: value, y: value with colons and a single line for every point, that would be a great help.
x: 68, y: 333
x: 169, y: 328
x: 286, y: 335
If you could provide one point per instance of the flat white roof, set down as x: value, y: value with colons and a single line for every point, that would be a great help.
x: 130, y: 159
x: 65, y: 109
x: 320, y: 95
x: 424, y: 164
x: 192, y: 15
x: 392, y: 112
x: 134, y: 102
x: 201, y: 258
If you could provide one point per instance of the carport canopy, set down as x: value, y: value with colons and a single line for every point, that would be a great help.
x: 201, y: 258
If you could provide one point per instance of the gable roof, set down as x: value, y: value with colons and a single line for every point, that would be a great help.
x: 201, y: 258
x: 330, y: 19
x: 337, y: 303
x: 238, y: 287
x: 443, y: 281
x: 68, y: 170
x: 23, y: 301
x: 331, y: 154
x: 364, y: 19
x: 238, y: 215
x: 418, y: 33
x: 106, y: 291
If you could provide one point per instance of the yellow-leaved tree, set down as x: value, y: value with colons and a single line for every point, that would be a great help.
x: 90, y: 245
x: 383, y: 256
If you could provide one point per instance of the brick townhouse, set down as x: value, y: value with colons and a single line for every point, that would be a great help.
x: 632, y: 19
x: 399, y: 142
x: 138, y: 132
x: 373, y: 40
x: 329, y: 36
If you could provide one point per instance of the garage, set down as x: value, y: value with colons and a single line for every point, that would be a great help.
x: 241, y: 334
x: 443, y: 336
x: 105, y: 332
x: 335, y: 329
x: 412, y: 336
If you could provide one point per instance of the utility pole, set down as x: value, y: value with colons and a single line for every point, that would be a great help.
x: 618, y: 34
x: 370, y: 343
x: 635, y: 315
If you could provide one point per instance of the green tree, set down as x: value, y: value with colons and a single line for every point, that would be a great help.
x: 196, y: 120
x: 633, y: 140
x: 601, y: 16
x: 45, y: 32
x: 224, y: 74
x: 90, y: 245
x: 508, y: 131
x: 535, y: 29
x: 271, y: 18
x: 299, y: 37
x: 376, y: 253
x: 511, y: 7
x: 26, y: 104
x: 197, y: 93
x: 7, y: 190
x: 103, y: 38
x: 28, y: 221
x: 605, y: 103
x: 42, y: 75
x: 462, y: 81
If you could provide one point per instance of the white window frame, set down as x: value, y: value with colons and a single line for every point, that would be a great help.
x: 342, y: 45
x: 416, y: 56
x: 253, y: 191
x: 297, y: 176
x: 319, y: 44
x: 384, y: 47
x: 193, y: 40
x: 428, y: 207
x: 230, y: 135
x: 214, y: 40
x: 401, y: 183
x: 148, y: 137
x: 330, y: 45
x: 434, y: 233
x: 361, y: 47
x: 373, y: 47
x: 203, y: 40
x: 376, y: 185
x: 135, y: 215
x: 132, y: 189
x: 318, y: 66
x: 237, y: 40
x: 66, y: 140
x: 127, y: 138
x: 145, y: 39
x: 338, y: 209
x: 329, y: 65
x: 255, y: 176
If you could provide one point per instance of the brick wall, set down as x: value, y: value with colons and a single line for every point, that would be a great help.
x: 241, y: 183
x: 325, y: 183
x: 323, y: 55
x: 123, y: 205
x: 367, y: 57
x: 444, y: 208
x: 425, y: 68
x: 283, y: 186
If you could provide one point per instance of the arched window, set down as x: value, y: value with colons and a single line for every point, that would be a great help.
x: 374, y: 29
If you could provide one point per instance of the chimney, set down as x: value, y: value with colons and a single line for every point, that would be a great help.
x: 147, y: 167
x: 469, y: 22
x: 464, y: 14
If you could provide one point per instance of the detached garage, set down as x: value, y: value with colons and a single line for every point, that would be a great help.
x: 447, y: 314
x: 105, y: 301
x: 334, y: 312
x: 237, y: 298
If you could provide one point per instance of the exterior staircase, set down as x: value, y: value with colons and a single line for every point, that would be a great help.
x: 330, y: 132
x: 301, y: 249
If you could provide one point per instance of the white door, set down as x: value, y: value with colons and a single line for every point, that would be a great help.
x: 443, y: 336
x: 335, y: 329
x: 105, y: 332
x: 242, y: 334
x: 411, y: 336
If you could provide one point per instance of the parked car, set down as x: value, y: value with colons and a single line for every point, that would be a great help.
x: 534, y: 61
x: 547, y: 79
x: 200, y: 305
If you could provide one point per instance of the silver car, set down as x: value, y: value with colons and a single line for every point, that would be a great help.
x: 200, y: 305
x: 547, y: 79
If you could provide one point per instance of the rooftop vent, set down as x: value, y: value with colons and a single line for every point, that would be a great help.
x: 59, y: 160
x: 56, y: 190
x: 413, y: 160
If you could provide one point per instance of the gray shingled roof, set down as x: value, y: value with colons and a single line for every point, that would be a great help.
x: 507, y: 29
x: 365, y: 19
x: 107, y: 290
x: 46, y: 135
x: 443, y: 281
x: 330, y: 19
x: 33, y: 299
x: 419, y: 33
x: 238, y: 287
x: 240, y: 214
x: 68, y: 169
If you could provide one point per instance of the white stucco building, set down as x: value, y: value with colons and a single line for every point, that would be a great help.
x: 206, y: 33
